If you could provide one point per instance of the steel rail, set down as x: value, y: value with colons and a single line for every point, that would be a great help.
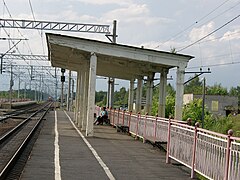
x: 20, y: 149
x: 9, y: 133
x: 15, y: 113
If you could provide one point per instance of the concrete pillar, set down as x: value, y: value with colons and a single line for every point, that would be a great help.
x: 111, y: 96
x: 162, y: 93
x: 108, y: 92
x: 85, y: 98
x: 149, y: 94
x: 72, y: 95
x: 179, y: 92
x: 81, y: 102
x: 91, y: 94
x: 131, y: 95
x: 139, y: 94
x: 77, y: 97
x: 69, y: 90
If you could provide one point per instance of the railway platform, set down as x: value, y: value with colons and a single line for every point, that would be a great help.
x: 63, y: 152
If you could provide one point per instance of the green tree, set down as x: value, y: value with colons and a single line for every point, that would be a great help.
x: 101, y: 98
x: 217, y: 89
x: 121, y: 97
x: 170, y: 100
x: 170, y: 104
x: 235, y: 91
x: 195, y: 86
x: 193, y: 110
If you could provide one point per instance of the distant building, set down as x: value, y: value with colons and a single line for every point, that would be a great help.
x: 216, y: 104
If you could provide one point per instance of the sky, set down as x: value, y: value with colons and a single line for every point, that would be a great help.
x: 155, y: 24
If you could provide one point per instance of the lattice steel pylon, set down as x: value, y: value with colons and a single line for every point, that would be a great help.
x: 56, y: 26
x: 25, y: 57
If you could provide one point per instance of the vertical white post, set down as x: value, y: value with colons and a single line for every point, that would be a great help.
x: 69, y: 90
x: 179, y: 92
x: 72, y: 94
x: 162, y: 93
x: 139, y: 95
x: 108, y: 93
x: 85, y: 98
x: 149, y: 94
x: 131, y: 95
x: 81, y: 104
x: 111, y: 96
x: 77, y: 96
x: 91, y: 94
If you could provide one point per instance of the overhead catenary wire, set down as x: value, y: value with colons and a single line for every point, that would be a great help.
x: 214, y: 39
x: 40, y: 33
x: 196, y: 22
x: 233, y: 19
x: 5, y: 5
x: 215, y: 65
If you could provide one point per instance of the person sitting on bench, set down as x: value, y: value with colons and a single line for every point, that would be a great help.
x: 102, y: 117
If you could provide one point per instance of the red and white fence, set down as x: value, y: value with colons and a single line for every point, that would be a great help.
x: 211, y: 154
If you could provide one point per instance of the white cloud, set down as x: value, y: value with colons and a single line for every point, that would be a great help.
x: 134, y: 10
x: 104, y: 2
x: 198, y: 33
x: 135, y: 13
x: 231, y: 35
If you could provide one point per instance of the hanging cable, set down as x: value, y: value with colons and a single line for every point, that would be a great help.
x: 40, y: 33
x: 193, y: 24
x: 209, y: 33
x: 17, y: 28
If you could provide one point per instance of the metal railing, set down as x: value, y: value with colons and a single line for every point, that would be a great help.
x: 211, y: 154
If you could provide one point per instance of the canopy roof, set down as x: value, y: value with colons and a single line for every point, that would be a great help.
x: 113, y: 60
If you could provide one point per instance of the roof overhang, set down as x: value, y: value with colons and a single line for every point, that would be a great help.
x: 113, y: 60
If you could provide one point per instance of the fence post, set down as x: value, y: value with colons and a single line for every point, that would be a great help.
x: 123, y: 117
x: 113, y: 116
x: 118, y: 117
x: 194, y: 150
x: 129, y: 121
x: 155, y: 128
x: 138, y: 117
x: 110, y: 114
x: 168, y: 142
x: 144, y: 132
x: 228, y: 153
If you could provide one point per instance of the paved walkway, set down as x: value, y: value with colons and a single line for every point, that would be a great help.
x: 62, y: 153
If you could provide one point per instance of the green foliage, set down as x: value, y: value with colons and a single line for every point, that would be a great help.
x: 223, y: 124
x: 217, y: 89
x: 235, y: 91
x: 155, y: 105
x: 101, y: 98
x: 193, y: 110
x: 170, y: 104
x: 195, y: 86
x: 30, y: 94
x: 170, y: 101
x: 121, y: 97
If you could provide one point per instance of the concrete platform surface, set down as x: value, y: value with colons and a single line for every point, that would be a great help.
x: 61, y: 153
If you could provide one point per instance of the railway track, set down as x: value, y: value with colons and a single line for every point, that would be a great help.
x: 14, y: 143
x: 11, y: 119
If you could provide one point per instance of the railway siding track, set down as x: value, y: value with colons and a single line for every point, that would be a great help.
x: 14, y: 141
